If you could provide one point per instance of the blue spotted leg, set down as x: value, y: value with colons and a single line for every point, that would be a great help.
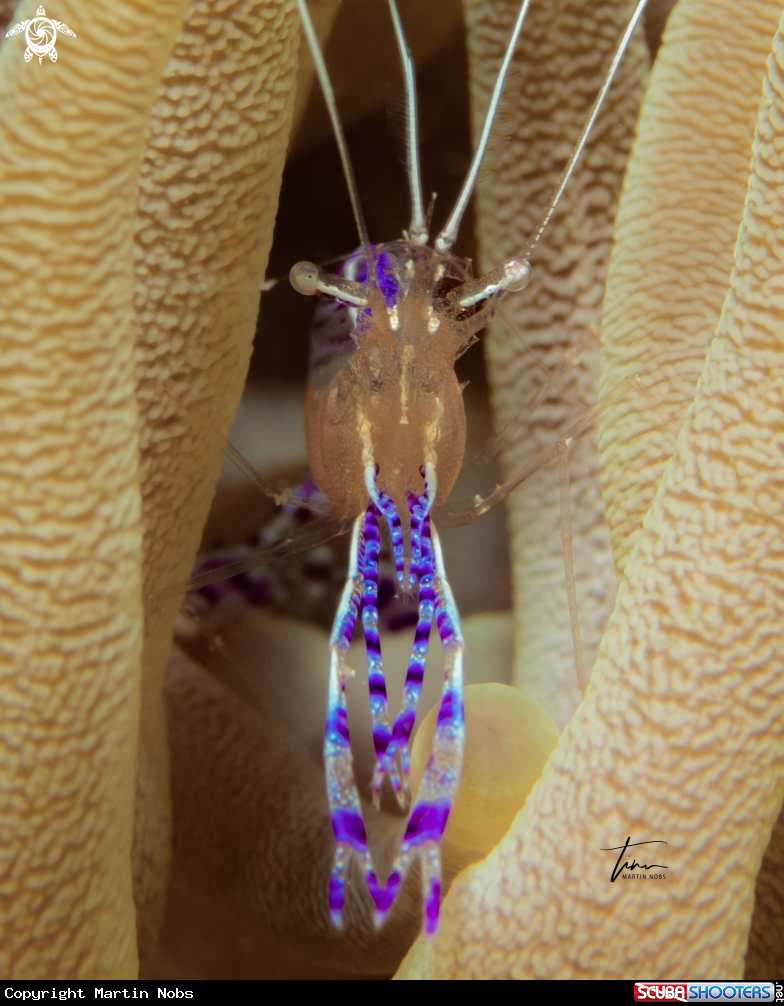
x: 380, y: 502
x: 387, y: 507
x: 431, y: 810
x: 347, y: 823
x: 377, y: 686
x: 438, y: 789
x: 419, y: 507
x: 417, y: 517
x: 415, y: 674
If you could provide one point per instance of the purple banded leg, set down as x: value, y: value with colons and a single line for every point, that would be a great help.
x: 389, y: 511
x: 437, y: 792
x: 422, y: 505
x: 376, y: 682
x: 347, y: 823
x: 412, y: 689
x: 417, y: 516
x: 392, y: 517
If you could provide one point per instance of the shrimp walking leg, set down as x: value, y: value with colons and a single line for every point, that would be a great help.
x: 412, y: 689
x: 420, y: 507
x: 392, y: 517
x: 422, y: 571
x: 437, y: 793
x: 377, y: 686
x: 347, y: 823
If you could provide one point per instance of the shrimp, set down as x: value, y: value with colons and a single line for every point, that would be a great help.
x: 385, y: 430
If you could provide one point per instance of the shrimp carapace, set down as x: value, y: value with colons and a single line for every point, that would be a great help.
x: 383, y: 391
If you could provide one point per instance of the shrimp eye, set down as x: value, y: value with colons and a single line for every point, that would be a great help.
x: 446, y: 285
x: 304, y: 277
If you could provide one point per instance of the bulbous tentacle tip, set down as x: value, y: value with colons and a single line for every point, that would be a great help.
x: 509, y: 738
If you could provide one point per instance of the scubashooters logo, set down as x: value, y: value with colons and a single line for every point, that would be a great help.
x: 705, y: 991
x: 40, y: 34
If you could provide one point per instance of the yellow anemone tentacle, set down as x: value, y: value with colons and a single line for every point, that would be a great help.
x: 559, y: 64
x: 678, y: 738
x: 208, y: 194
x: 71, y: 141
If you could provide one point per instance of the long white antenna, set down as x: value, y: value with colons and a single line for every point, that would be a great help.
x: 515, y: 272
x: 418, y: 229
x: 544, y: 220
x: 448, y: 235
x: 332, y: 108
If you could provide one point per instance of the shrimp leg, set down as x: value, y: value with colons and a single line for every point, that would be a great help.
x: 377, y: 686
x: 347, y: 823
x: 412, y: 689
x: 420, y: 507
x: 392, y: 517
x: 442, y: 775
x: 396, y: 741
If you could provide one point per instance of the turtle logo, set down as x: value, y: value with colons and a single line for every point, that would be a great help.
x: 40, y: 33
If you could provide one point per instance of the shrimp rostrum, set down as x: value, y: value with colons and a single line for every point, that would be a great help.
x: 385, y: 431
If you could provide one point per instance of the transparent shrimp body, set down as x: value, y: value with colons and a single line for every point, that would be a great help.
x: 385, y: 431
x: 388, y: 395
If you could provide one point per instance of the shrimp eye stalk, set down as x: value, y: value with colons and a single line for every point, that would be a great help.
x: 309, y: 279
x: 507, y: 277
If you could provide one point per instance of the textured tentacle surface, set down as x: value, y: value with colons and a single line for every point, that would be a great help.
x: 264, y: 852
x: 557, y: 70
x: 208, y: 193
x: 71, y: 142
x: 675, y: 235
x: 679, y: 737
x: 674, y: 239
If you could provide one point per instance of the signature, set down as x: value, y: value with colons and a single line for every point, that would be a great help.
x: 634, y: 865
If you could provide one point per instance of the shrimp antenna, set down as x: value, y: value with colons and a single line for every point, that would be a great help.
x: 418, y: 229
x: 337, y: 128
x: 448, y: 235
x: 623, y: 45
x: 514, y: 274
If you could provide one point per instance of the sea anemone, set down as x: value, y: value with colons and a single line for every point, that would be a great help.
x: 139, y: 178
